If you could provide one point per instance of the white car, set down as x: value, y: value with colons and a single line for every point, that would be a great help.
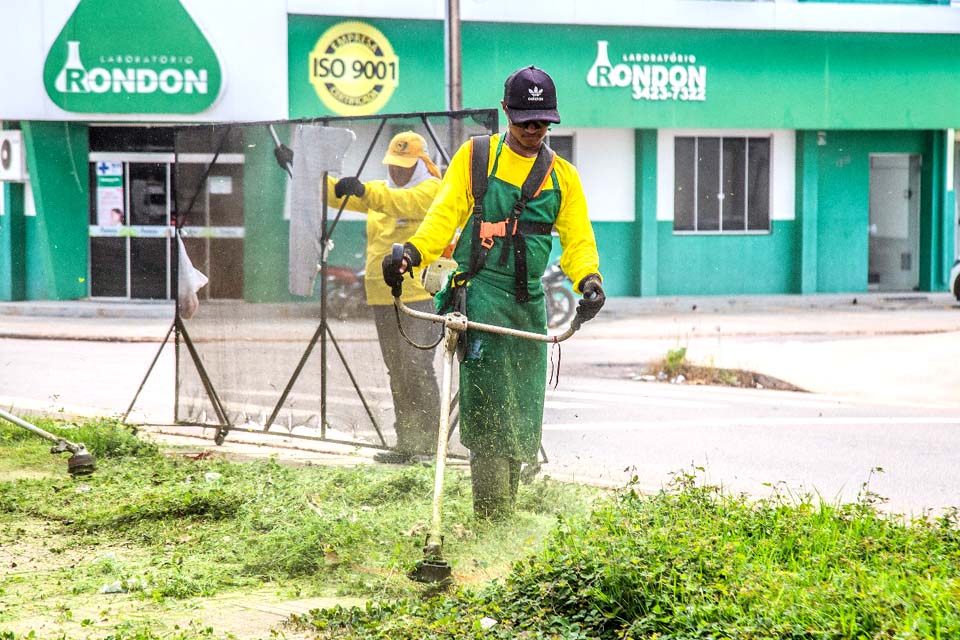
x: 955, y: 280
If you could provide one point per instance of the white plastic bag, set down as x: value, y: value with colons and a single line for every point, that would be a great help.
x: 190, y: 280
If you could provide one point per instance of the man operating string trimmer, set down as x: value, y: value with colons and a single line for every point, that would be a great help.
x: 516, y: 190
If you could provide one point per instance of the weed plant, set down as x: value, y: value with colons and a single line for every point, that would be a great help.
x: 693, y: 562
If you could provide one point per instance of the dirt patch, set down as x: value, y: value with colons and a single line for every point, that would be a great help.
x: 249, y: 616
x: 692, y: 375
x: 37, y: 570
x: 30, y: 547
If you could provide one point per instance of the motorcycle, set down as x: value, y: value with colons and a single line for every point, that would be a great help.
x: 561, y: 303
x: 346, y: 295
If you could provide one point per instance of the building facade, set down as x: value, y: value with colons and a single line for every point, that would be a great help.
x: 725, y: 147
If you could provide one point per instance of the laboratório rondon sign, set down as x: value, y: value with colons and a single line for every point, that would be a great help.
x: 120, y: 57
x: 353, y: 69
x: 650, y: 75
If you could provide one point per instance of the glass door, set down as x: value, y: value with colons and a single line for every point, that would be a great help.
x: 130, y: 240
x: 150, y: 222
x: 894, y: 241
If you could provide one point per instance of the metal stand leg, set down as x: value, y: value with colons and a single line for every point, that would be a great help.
x: 147, y: 375
x: 207, y: 385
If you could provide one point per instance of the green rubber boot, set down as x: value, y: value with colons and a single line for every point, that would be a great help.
x: 495, y: 481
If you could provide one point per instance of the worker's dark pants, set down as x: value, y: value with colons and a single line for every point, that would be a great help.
x: 495, y: 481
x: 413, y: 379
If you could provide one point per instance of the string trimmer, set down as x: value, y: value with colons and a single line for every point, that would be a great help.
x: 433, y: 568
x: 81, y: 463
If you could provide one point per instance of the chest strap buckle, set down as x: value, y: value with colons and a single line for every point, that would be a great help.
x: 491, y: 230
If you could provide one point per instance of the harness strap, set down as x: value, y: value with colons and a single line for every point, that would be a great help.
x: 483, y: 233
x: 491, y: 230
x: 479, y: 159
x: 531, y: 188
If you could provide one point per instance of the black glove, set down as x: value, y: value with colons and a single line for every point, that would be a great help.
x: 284, y: 156
x: 593, y: 297
x: 393, y: 262
x: 349, y: 186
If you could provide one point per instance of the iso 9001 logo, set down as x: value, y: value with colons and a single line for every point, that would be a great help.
x: 353, y: 69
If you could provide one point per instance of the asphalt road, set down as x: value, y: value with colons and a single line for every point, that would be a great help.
x: 750, y: 441
x: 883, y: 382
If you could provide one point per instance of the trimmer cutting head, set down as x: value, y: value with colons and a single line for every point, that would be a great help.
x: 431, y: 571
x: 433, y: 568
x: 81, y: 463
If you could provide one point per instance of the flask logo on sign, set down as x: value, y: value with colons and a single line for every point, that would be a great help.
x: 157, y: 62
x: 650, y: 75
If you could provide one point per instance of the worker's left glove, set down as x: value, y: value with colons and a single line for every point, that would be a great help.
x: 349, y: 186
x: 284, y: 156
x: 593, y: 297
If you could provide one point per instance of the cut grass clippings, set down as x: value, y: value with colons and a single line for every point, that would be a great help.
x: 691, y: 561
x: 166, y: 529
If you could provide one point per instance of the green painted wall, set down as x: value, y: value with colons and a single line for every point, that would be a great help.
x: 349, y: 243
x: 619, y: 257
x: 825, y: 250
x: 808, y: 180
x: 418, y: 45
x: 670, y: 264
x: 938, y: 222
x: 728, y: 264
x: 754, y: 79
x: 843, y: 187
x: 628, y: 249
x: 56, y: 240
x: 266, y: 232
x: 13, y: 276
x: 645, y: 226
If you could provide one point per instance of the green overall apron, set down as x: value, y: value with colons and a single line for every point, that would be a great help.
x: 503, y: 378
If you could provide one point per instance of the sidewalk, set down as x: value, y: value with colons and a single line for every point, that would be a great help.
x: 625, y: 317
x: 903, y: 347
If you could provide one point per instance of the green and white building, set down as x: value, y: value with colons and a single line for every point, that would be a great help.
x: 725, y: 147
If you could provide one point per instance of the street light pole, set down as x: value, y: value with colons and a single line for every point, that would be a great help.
x: 454, y: 70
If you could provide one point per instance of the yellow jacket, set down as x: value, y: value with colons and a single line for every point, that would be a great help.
x: 392, y: 216
x: 453, y: 205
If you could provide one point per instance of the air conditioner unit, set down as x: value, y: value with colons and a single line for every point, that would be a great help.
x: 13, y: 157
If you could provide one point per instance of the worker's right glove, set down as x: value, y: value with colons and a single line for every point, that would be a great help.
x: 400, y: 260
x: 593, y: 297
x: 349, y: 186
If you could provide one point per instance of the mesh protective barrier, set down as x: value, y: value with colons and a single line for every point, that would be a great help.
x: 253, y: 351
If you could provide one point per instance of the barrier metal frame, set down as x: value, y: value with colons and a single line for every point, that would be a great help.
x: 488, y: 118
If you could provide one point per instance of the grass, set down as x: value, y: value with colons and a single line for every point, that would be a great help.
x: 692, y: 562
x: 169, y: 531
x: 689, y: 562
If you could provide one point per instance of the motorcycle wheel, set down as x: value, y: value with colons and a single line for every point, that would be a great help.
x: 561, y: 305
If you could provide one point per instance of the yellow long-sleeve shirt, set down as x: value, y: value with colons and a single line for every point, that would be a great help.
x: 392, y: 216
x: 453, y: 205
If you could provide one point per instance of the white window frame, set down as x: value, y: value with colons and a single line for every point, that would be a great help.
x: 782, y: 172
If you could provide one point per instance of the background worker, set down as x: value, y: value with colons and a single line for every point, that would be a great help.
x: 394, y: 207
x: 502, y: 378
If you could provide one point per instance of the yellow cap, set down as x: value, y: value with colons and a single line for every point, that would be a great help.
x: 406, y: 148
